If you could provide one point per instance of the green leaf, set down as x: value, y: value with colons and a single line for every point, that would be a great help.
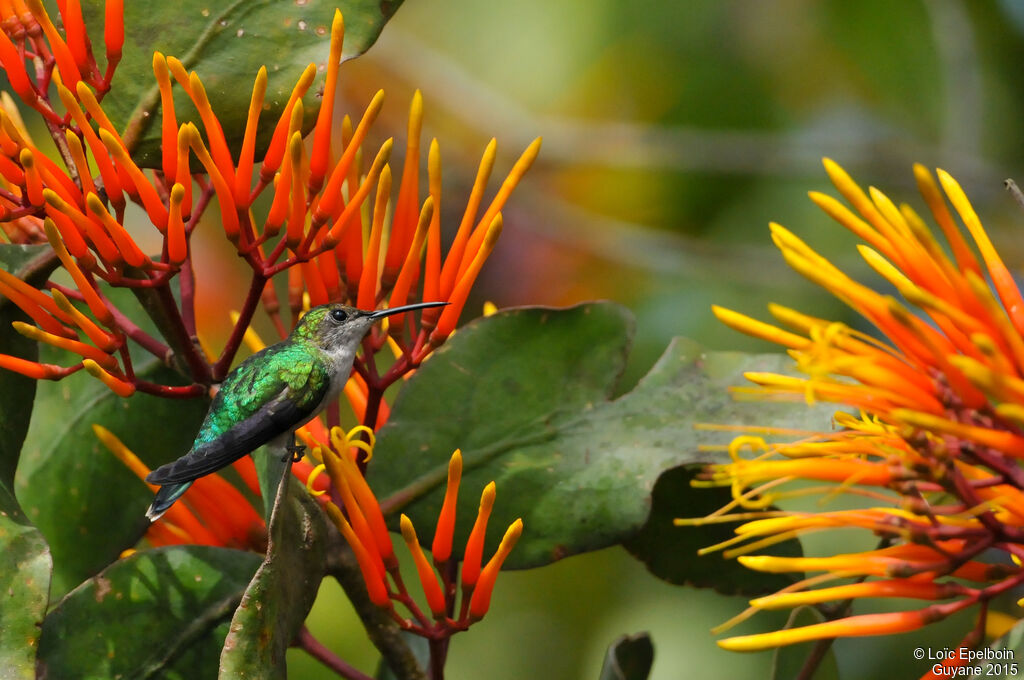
x: 86, y: 502
x: 161, y: 612
x: 282, y: 592
x: 17, y: 392
x: 670, y: 552
x: 226, y: 42
x: 525, y: 395
x: 629, y: 658
x: 25, y: 560
x: 789, y: 661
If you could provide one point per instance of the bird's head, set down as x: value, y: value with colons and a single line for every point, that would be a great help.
x: 334, y: 325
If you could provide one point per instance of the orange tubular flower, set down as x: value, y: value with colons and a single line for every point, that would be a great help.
x: 213, y: 512
x: 312, y: 230
x: 935, y: 451
x: 361, y: 522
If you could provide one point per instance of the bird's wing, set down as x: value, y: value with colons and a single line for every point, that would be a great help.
x: 279, y: 415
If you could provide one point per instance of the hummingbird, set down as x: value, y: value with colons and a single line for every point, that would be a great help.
x: 270, y: 394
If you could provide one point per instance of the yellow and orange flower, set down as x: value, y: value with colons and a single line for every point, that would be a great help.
x: 935, y: 450
x: 361, y: 521
x: 312, y: 232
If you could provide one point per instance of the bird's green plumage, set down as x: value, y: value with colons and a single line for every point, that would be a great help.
x: 270, y: 394
x: 297, y: 367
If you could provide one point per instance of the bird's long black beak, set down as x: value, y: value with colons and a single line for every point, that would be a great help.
x: 381, y: 313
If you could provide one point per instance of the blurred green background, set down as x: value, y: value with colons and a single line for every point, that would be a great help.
x: 673, y: 133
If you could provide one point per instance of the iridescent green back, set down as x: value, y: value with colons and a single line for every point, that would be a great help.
x: 295, y: 366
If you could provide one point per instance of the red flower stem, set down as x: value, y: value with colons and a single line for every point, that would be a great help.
x: 999, y: 588
x: 181, y: 341
x: 158, y: 281
x: 59, y: 136
x: 438, y: 652
x: 402, y: 596
x: 205, y: 194
x: 316, y: 649
x: 170, y: 391
x: 187, y: 289
x: 333, y: 417
x: 143, y: 339
x: 257, y: 190
x: 126, y: 325
x: 24, y: 211
x: 1011, y: 471
x: 126, y: 361
x: 247, y: 234
x: 987, y: 518
x: 276, y: 253
x: 252, y: 300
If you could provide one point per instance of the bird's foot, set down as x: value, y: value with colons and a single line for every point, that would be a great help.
x: 294, y: 452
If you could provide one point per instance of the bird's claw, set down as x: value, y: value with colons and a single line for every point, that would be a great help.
x: 295, y: 452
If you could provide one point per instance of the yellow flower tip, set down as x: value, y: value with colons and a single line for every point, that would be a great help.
x: 416, y: 113
x: 117, y: 386
x: 408, y: 531
x: 836, y: 173
x: 493, y: 232
x: 442, y: 545
x: 455, y: 467
x: 515, y: 530
x: 127, y: 552
x: 765, y: 563
x: 742, y: 643
x: 490, y: 309
x: 105, y: 435
x: 337, y: 28
x: 487, y: 497
x: 533, y: 150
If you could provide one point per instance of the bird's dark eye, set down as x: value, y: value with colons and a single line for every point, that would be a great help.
x: 338, y: 315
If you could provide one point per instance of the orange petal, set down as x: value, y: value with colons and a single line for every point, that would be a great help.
x: 480, y: 601
x: 428, y: 579
x: 441, y: 548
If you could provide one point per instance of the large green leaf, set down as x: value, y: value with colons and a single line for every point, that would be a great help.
x: 88, y: 505
x: 670, y: 551
x: 525, y: 395
x: 24, y: 556
x: 226, y: 42
x: 158, y: 613
x: 282, y: 592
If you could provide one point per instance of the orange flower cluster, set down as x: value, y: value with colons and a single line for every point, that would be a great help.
x: 212, y: 511
x: 362, y: 524
x: 936, y: 449
x: 313, y: 229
